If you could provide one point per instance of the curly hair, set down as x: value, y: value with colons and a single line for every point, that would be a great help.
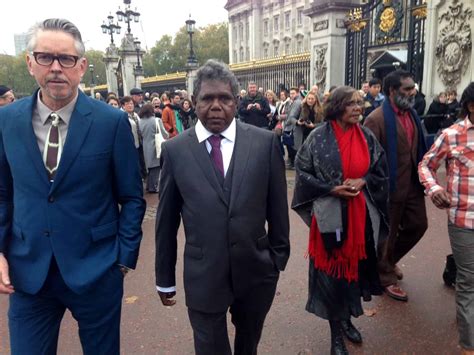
x: 337, y: 102
x: 218, y: 71
x: 467, y: 97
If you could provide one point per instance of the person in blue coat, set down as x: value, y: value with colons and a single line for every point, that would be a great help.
x: 71, y: 202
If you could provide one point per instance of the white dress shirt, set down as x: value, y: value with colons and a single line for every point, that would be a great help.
x: 227, y: 149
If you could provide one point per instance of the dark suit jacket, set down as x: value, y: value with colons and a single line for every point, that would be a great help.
x: 228, y: 248
x: 76, y: 218
x: 407, y: 165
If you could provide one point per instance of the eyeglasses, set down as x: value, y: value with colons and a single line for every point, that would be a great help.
x: 64, y: 60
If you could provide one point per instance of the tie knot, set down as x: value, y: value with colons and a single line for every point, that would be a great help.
x: 55, y: 119
x: 215, y: 141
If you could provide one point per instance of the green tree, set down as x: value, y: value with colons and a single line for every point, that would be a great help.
x: 95, y: 57
x: 14, y: 74
x: 170, y: 55
x: 212, y: 42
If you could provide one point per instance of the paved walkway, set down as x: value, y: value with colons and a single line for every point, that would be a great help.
x: 424, y: 325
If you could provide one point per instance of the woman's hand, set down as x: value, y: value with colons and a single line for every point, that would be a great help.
x: 300, y: 122
x: 356, y: 184
x: 344, y: 191
x: 310, y: 125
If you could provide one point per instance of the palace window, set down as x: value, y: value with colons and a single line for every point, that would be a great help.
x: 247, y: 56
x: 265, y: 52
x: 234, y: 56
x: 300, y: 16
x: 265, y: 28
x: 234, y: 33
x: 287, y: 20
x: 299, y: 46
x: 242, y: 58
x: 287, y: 47
x: 247, y: 31
x: 276, y: 24
x: 276, y: 51
x: 241, y: 31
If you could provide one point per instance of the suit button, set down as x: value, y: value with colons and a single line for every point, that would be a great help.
x: 46, y: 233
x: 51, y: 199
x: 233, y: 244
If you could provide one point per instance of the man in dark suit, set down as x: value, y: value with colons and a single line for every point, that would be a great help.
x: 71, y: 202
x: 227, y: 181
x: 398, y: 129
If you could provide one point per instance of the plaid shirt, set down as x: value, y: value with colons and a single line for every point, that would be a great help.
x: 456, y: 146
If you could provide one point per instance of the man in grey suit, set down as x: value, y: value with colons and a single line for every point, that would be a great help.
x: 289, y: 126
x: 226, y: 180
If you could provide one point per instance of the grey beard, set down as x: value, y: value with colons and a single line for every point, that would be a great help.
x: 404, y: 102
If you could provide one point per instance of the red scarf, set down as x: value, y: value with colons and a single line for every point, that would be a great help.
x: 343, y: 262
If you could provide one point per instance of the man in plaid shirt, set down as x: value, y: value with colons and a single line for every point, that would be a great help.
x: 456, y: 146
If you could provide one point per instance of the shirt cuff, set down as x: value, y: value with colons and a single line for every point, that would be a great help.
x: 126, y: 267
x: 433, y: 189
x: 166, y: 289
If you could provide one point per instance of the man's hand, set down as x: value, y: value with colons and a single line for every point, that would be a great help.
x: 357, y: 184
x: 166, y: 298
x: 441, y: 199
x: 5, y: 286
x: 257, y: 106
x: 344, y: 191
x: 249, y: 106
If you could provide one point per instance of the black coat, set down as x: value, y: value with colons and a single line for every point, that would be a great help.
x: 228, y: 249
x: 254, y: 116
x: 319, y: 170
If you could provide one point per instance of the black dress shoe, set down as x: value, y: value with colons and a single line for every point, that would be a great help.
x: 351, y: 332
x: 449, y: 274
x: 338, y: 347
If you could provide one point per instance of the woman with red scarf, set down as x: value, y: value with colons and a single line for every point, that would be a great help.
x: 341, y: 192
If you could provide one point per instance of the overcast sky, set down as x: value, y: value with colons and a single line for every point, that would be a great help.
x: 158, y: 17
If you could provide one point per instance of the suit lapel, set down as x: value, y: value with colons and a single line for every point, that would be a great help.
x: 79, y: 126
x: 203, y: 159
x: 27, y: 135
x: 242, y: 148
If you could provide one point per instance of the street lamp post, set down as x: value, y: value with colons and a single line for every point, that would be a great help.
x: 138, y: 71
x: 110, y: 28
x: 137, y: 43
x: 91, y: 70
x: 128, y: 15
x: 190, y: 27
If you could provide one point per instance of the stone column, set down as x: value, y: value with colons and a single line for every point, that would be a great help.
x: 328, y: 41
x: 190, y: 78
x: 449, y: 61
x: 111, y: 60
x: 128, y: 56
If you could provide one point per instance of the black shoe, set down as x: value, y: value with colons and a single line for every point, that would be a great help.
x: 449, y: 274
x: 351, y: 332
x: 338, y: 347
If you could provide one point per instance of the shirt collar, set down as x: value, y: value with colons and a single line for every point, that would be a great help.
x: 202, y: 133
x: 64, y: 112
x: 468, y: 124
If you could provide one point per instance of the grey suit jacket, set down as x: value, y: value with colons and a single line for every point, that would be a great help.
x: 293, y: 115
x: 228, y: 248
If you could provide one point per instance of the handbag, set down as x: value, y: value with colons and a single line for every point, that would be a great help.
x: 288, y: 138
x: 159, y: 136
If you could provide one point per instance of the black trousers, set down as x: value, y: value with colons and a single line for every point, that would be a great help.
x: 247, y: 314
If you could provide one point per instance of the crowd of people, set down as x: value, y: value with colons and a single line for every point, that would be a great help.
x: 70, y: 220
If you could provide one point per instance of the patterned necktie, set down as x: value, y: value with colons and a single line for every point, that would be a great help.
x: 216, y: 153
x: 53, y: 146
